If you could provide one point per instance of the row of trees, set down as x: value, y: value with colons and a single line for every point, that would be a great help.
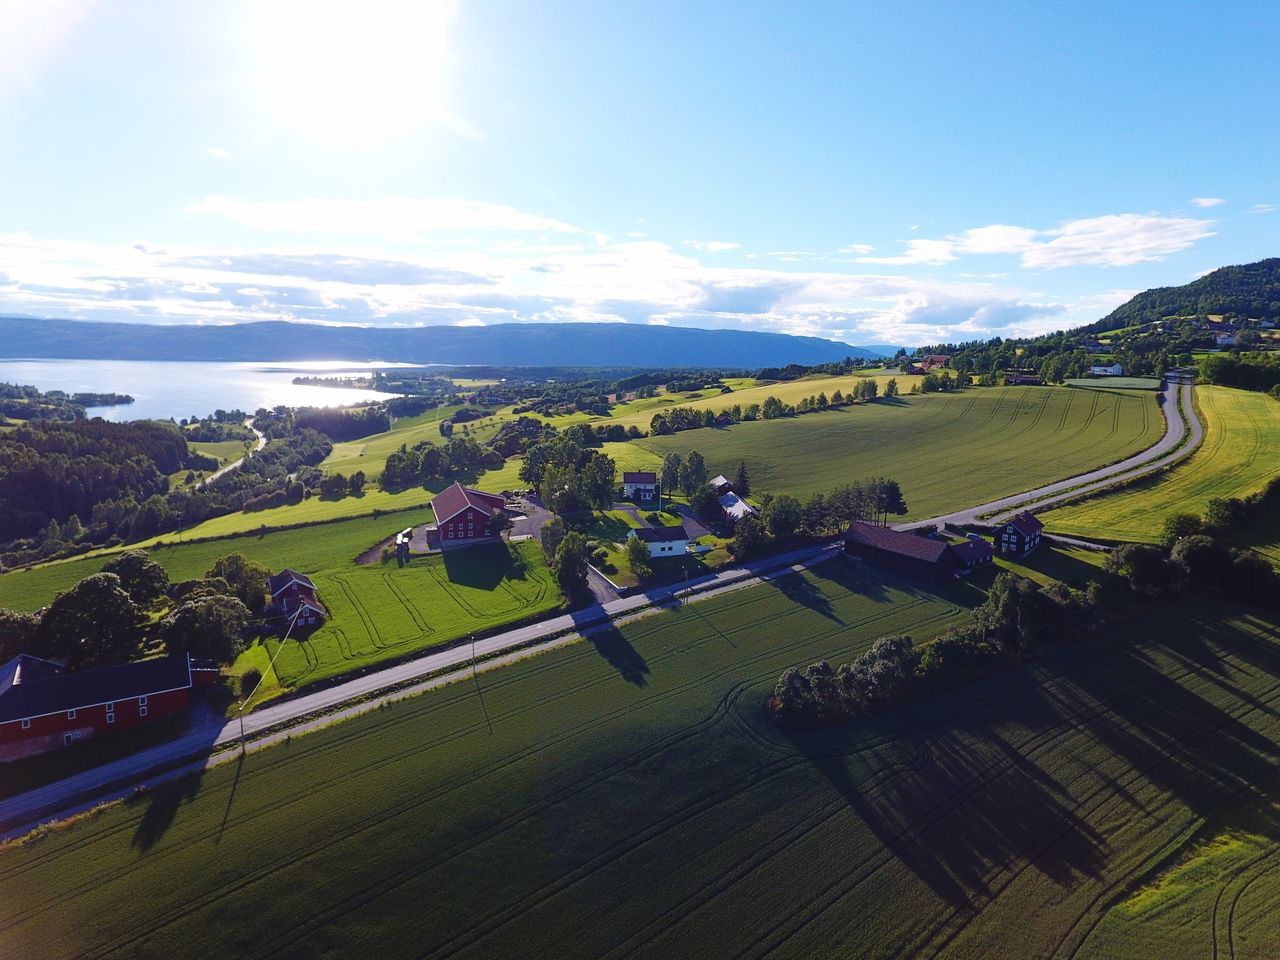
x: 130, y: 606
x: 569, y: 477
x: 678, y: 419
x: 458, y: 458
x: 820, y: 515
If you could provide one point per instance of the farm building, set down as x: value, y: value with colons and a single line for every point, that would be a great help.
x: 908, y: 553
x: 720, y: 485
x: 1020, y: 535
x: 973, y: 553
x: 663, y: 541
x: 293, y: 597
x: 44, y: 707
x: 936, y: 361
x: 1107, y: 370
x: 1022, y: 380
x: 735, y: 508
x: 463, y: 516
x: 640, y: 485
x: 1225, y: 339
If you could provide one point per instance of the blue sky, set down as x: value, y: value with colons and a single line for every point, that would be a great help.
x: 866, y: 172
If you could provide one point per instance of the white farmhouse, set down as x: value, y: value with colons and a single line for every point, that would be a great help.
x: 1107, y: 370
x: 663, y: 541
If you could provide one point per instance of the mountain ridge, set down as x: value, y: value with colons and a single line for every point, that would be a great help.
x: 509, y: 344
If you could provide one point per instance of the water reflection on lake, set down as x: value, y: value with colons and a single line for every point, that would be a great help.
x: 178, y: 389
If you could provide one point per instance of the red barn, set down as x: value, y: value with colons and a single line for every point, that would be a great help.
x: 43, y: 707
x: 909, y: 553
x: 464, y: 515
x: 293, y: 595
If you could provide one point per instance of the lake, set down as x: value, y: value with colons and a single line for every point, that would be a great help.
x: 162, y: 389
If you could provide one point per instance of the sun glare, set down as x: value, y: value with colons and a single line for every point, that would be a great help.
x: 340, y: 69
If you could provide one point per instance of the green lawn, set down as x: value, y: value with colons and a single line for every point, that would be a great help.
x: 380, y: 611
x: 946, y: 450
x: 308, y: 549
x: 1240, y: 453
x: 627, y: 796
x: 224, y: 451
x: 1116, y: 383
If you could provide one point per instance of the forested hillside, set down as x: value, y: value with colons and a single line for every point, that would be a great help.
x: 1251, y: 290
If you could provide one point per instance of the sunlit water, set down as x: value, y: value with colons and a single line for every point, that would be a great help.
x: 178, y: 389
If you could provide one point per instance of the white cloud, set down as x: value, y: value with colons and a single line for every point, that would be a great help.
x: 1115, y: 240
x: 1262, y: 208
x: 387, y: 217
x: 1208, y: 201
x: 220, y: 152
x: 862, y: 248
x: 712, y: 246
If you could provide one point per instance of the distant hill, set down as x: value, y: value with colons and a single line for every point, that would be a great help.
x: 1251, y: 290
x: 511, y: 344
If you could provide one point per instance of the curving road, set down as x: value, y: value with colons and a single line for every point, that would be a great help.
x: 1181, y: 423
x: 235, y: 464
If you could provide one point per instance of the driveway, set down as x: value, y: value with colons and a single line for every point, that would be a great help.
x: 534, y: 519
x: 1179, y: 424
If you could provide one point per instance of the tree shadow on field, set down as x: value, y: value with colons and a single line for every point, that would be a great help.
x: 163, y: 801
x: 954, y: 816
x: 618, y: 652
x: 803, y: 591
x: 481, y: 567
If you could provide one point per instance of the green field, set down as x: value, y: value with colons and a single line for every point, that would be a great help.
x: 626, y: 796
x: 224, y: 451
x: 948, y: 451
x: 1116, y: 383
x: 308, y: 549
x: 1240, y: 453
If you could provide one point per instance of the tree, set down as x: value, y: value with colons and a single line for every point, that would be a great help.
x: 93, y: 624
x: 741, y: 481
x: 572, y: 557
x: 638, y: 557
x: 749, y: 538
x: 1204, y: 559
x: 553, y: 532
x: 17, y: 633
x: 142, y: 578
x: 1145, y: 567
x: 705, y: 503
x: 246, y: 578
x: 783, y: 515
x: 891, y: 388
x: 671, y: 467
x: 210, y: 626
x: 597, y: 481
x: 1179, y: 526
x: 693, y: 473
x: 356, y: 483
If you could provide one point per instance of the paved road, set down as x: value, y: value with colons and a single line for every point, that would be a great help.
x: 235, y: 464
x: 55, y: 798
x: 1163, y: 453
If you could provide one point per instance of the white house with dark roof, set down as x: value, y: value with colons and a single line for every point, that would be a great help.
x: 663, y: 541
x: 640, y: 485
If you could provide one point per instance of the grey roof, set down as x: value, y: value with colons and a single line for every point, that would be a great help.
x: 287, y: 576
x: 973, y: 551
x: 54, y: 693
x: 661, y: 534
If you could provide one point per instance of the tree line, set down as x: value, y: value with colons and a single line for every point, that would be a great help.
x: 678, y: 419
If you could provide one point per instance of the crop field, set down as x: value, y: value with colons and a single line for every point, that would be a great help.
x: 1238, y: 456
x: 381, y: 612
x: 626, y: 796
x: 307, y: 549
x: 946, y: 450
x: 1116, y: 383
x: 223, y: 451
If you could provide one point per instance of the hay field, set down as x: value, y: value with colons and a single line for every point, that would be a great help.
x: 948, y: 451
x: 1240, y: 453
x: 626, y: 797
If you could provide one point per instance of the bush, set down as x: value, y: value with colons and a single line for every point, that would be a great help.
x: 249, y: 681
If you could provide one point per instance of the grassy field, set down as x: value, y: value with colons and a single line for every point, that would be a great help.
x: 1240, y: 453
x: 946, y: 450
x: 626, y: 796
x: 1116, y: 383
x: 308, y: 549
x: 224, y: 451
x: 380, y: 612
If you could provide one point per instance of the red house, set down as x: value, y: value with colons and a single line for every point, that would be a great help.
x: 464, y: 515
x: 43, y: 707
x: 293, y: 596
x: 1020, y: 535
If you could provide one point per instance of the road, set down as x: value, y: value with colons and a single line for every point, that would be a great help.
x: 1166, y: 451
x: 58, y: 799
x: 235, y: 464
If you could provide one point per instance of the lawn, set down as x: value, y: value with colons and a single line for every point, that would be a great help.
x: 626, y: 796
x: 381, y: 611
x: 947, y: 451
x: 1239, y: 455
x: 1116, y: 383
x: 308, y: 549
x: 224, y: 451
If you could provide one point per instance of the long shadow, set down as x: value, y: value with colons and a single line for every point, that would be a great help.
x: 162, y: 803
x: 483, y: 566
x: 618, y: 652
x: 804, y: 592
x: 226, y: 814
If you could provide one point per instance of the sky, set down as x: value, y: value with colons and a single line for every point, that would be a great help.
x: 904, y: 173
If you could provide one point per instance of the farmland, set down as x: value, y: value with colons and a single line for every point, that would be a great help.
x: 652, y: 809
x: 1238, y: 456
x: 947, y: 450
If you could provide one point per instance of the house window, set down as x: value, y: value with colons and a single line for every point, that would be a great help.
x: 66, y: 739
x: 110, y: 707
x: 142, y: 701
x: 71, y: 714
x: 111, y: 717
x: 26, y: 724
x: 142, y: 711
